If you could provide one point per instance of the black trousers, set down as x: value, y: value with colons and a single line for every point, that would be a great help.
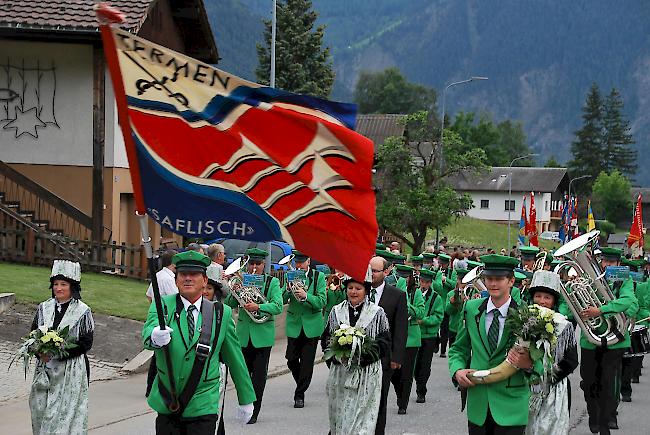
x: 627, y: 374
x: 300, y: 355
x: 444, y: 334
x: 175, y: 425
x: 599, y: 369
x: 385, y: 387
x: 257, y: 362
x: 151, y: 374
x: 490, y: 427
x: 423, y: 365
x: 637, y: 363
x: 402, y: 378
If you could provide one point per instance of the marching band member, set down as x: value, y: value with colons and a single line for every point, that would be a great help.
x: 550, y: 405
x: 482, y: 343
x: 429, y: 325
x: 600, y: 366
x: 416, y: 262
x: 402, y: 378
x: 304, y: 327
x: 446, y: 281
x: 528, y: 257
x: 429, y: 260
x: 257, y: 339
x: 335, y: 293
x: 454, y: 305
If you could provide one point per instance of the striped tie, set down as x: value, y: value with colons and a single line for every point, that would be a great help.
x: 493, y: 333
x: 190, y: 320
x: 373, y: 293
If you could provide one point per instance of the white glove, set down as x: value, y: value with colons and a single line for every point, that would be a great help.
x: 244, y: 413
x: 161, y: 337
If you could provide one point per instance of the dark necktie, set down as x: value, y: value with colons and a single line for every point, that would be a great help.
x: 493, y: 333
x: 190, y: 320
x: 373, y: 294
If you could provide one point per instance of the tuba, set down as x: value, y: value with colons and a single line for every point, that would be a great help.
x: 244, y: 294
x: 589, y: 288
x: 293, y: 280
x: 474, y: 284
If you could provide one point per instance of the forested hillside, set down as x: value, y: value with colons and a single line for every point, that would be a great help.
x: 540, y: 56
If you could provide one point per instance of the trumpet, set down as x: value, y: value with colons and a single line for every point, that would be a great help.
x: 242, y: 293
x: 294, y: 284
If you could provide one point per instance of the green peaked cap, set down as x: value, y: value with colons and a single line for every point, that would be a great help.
x: 528, y: 251
x: 444, y: 257
x: 461, y: 272
x: 429, y: 255
x: 611, y: 253
x: 256, y: 253
x: 379, y: 246
x: 474, y: 264
x: 417, y: 259
x: 299, y: 256
x: 191, y: 261
x: 427, y: 274
x: 499, y: 265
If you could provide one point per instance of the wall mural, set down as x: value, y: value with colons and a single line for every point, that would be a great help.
x: 27, y: 94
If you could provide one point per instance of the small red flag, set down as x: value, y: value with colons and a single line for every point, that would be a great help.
x: 532, y: 222
x: 636, y: 232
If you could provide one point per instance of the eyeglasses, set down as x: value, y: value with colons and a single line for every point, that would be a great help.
x: 377, y: 271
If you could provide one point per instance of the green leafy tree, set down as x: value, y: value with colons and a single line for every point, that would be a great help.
x: 618, y: 155
x: 413, y: 190
x: 302, y: 64
x: 611, y: 197
x: 388, y: 91
x: 552, y: 163
x: 501, y: 142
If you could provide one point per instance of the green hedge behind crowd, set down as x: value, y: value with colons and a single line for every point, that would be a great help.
x: 106, y: 294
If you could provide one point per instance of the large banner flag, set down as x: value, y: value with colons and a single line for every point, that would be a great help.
x: 523, y: 223
x: 591, y: 222
x: 635, y: 238
x: 575, y: 230
x: 212, y: 155
x: 563, y: 229
x: 532, y: 222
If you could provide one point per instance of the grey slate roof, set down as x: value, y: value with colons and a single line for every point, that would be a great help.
x: 378, y: 127
x: 617, y: 239
x: 523, y: 180
x: 645, y: 194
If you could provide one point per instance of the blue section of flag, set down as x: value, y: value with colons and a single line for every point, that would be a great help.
x: 220, y: 106
x: 562, y: 232
x: 197, y: 210
x: 522, y: 231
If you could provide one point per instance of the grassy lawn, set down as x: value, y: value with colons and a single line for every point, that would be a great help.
x: 470, y: 232
x: 105, y: 294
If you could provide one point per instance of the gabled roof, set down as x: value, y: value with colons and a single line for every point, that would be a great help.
x: 523, y: 180
x: 645, y: 194
x: 67, y: 15
x: 379, y: 127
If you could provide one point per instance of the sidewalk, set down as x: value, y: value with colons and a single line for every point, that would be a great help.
x: 117, y: 400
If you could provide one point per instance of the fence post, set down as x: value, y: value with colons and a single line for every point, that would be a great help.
x: 29, y: 245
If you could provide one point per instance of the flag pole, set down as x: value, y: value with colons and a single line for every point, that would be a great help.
x: 146, y: 242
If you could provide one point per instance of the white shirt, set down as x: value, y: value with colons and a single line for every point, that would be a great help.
x: 378, y: 292
x: 166, y: 283
x: 503, y: 312
x: 196, y: 312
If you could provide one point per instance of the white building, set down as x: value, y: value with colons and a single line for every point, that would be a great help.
x: 493, y: 202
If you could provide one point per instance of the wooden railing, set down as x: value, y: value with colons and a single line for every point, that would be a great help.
x: 21, y: 244
x: 41, y: 206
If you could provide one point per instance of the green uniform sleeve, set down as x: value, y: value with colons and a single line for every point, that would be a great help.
x: 435, y: 318
x: 416, y: 307
x: 234, y: 359
x: 459, y: 352
x: 437, y: 285
x: 231, y: 301
x: 401, y: 284
x: 626, y: 301
x: 643, y: 297
x: 450, y: 282
x: 273, y: 304
x: 319, y: 297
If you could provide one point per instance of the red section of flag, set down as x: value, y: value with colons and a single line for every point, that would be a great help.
x: 636, y: 232
x: 532, y: 222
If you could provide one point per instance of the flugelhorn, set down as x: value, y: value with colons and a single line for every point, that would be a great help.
x: 589, y: 288
x: 242, y: 293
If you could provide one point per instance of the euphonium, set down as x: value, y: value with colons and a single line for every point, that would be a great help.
x: 242, y: 293
x: 292, y: 284
x: 589, y: 288
x: 473, y: 283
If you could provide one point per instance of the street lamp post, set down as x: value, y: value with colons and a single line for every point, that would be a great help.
x: 442, y: 119
x: 510, y: 188
x: 576, y: 179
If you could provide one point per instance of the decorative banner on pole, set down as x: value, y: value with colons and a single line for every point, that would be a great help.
x: 591, y: 222
x: 575, y: 231
x: 563, y: 224
x: 212, y: 155
x: 635, y: 238
x: 532, y: 222
x: 523, y: 224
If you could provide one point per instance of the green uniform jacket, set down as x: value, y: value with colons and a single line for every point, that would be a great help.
x: 449, y: 284
x: 455, y: 313
x: 508, y: 399
x: 259, y: 334
x: 206, y: 397
x: 643, y: 296
x: 433, y: 313
x: 334, y: 297
x: 624, y: 302
x: 515, y: 294
x: 307, y: 315
x: 401, y: 283
x: 416, y: 312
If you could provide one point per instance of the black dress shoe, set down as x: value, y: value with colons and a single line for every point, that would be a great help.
x: 626, y: 399
x: 401, y: 411
x: 420, y: 399
x: 253, y: 420
x: 613, y: 424
x: 443, y: 355
x: 594, y: 428
x: 635, y: 380
x: 298, y: 403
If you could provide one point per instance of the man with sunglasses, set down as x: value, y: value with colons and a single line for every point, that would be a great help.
x: 304, y: 326
x: 257, y: 339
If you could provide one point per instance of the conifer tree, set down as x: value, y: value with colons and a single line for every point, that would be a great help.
x: 302, y: 64
x: 617, y: 138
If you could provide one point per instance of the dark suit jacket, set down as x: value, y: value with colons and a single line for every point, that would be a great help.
x: 393, y: 301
